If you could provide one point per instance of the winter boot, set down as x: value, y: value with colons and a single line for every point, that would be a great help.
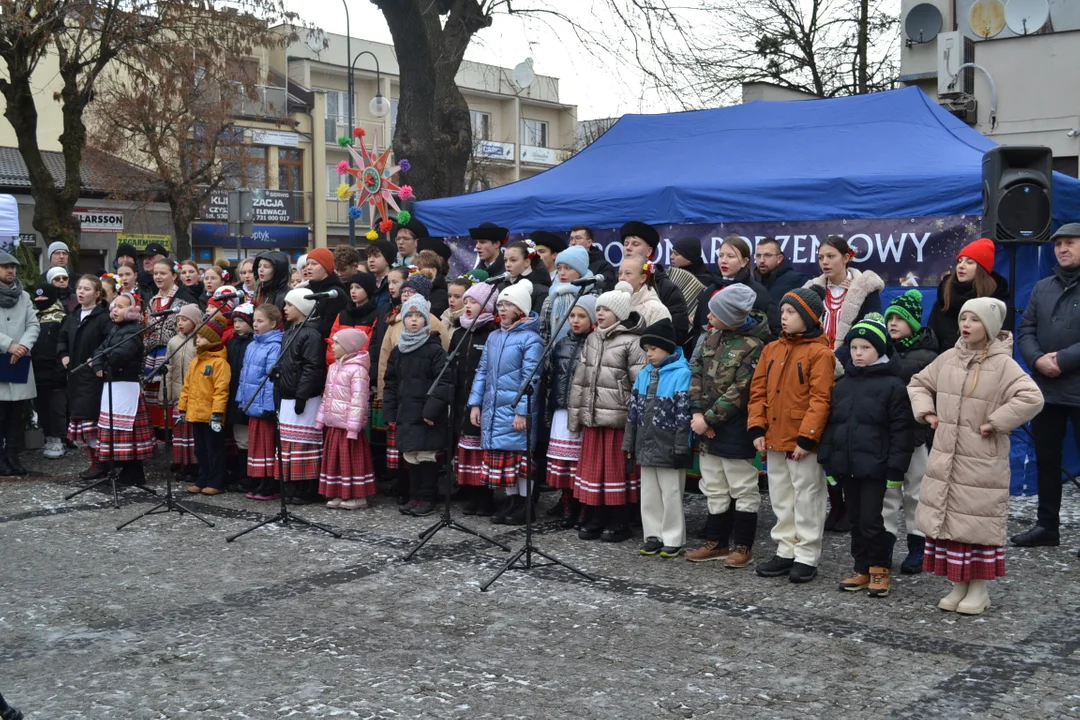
x: 473, y: 503
x: 594, y: 526
x: 427, y: 474
x: 717, y: 534
x: 912, y: 565
x: 837, y: 510
x: 950, y: 602
x: 560, y: 508
x: 13, y: 446
x: 413, y: 472
x: 879, y: 582
x: 618, y: 526
x: 95, y: 471
x: 743, y: 532
x: 507, y: 507
x: 401, y: 486
x: 516, y: 516
x: 573, y: 510
x: 977, y: 600
x: 486, y: 507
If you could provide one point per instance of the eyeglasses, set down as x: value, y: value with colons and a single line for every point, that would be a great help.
x: 765, y: 256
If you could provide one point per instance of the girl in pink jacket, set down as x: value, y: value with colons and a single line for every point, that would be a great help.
x: 347, y: 475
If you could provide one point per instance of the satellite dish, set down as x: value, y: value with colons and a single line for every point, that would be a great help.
x: 316, y: 41
x: 1025, y: 17
x: 923, y: 23
x: 987, y: 18
x: 523, y: 74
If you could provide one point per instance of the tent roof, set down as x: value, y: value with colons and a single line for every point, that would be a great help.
x: 889, y: 154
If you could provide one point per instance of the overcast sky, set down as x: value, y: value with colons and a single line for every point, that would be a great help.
x: 597, y: 85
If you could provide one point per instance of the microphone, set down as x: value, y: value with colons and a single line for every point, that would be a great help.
x: 163, y: 313
x: 586, y: 282
x: 329, y: 294
x: 228, y: 296
x: 498, y: 278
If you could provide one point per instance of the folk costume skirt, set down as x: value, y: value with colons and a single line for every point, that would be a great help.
x: 301, y: 442
x: 261, y: 456
x: 347, y: 471
x: 963, y: 562
x: 470, y: 461
x: 602, y: 477
x: 563, y: 453
x: 124, y: 430
x: 183, y: 442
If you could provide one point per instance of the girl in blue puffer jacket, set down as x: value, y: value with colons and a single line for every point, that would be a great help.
x: 510, y: 355
x: 259, y: 357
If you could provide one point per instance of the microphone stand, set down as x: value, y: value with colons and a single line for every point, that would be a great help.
x: 446, y: 521
x: 170, y: 503
x: 283, y: 515
x: 112, y: 476
x: 528, y: 549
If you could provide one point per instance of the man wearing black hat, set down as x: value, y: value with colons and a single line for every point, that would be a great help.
x: 407, y: 236
x: 152, y: 253
x: 598, y: 265
x: 641, y: 239
x: 775, y: 271
x: 548, y: 245
x: 490, y: 239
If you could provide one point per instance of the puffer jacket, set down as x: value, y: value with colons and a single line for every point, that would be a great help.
x: 911, y: 360
x: 302, y: 370
x: 362, y: 317
x: 965, y: 493
x: 610, y: 362
x: 407, y: 403
x: 720, y: 377
x: 259, y: 357
x: 206, y: 387
x: 236, y: 349
x: 509, y: 357
x: 390, y: 338
x: 869, y: 436
x: 122, y: 352
x: 658, y: 422
x: 273, y: 292
x: 184, y: 347
x: 791, y: 391
x: 562, y: 363
x: 467, y: 362
x: 345, y: 397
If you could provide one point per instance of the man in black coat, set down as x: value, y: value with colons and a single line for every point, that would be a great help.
x: 774, y: 271
x: 1050, y: 345
x: 641, y: 239
x: 490, y: 239
x: 598, y: 264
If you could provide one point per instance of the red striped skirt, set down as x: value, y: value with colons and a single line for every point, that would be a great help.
x: 601, y: 477
x: 393, y: 457
x: 183, y: 445
x: 260, y: 448
x: 470, y: 462
x: 503, y: 468
x: 300, y: 461
x: 138, y: 443
x: 963, y: 562
x: 347, y: 471
x: 83, y: 431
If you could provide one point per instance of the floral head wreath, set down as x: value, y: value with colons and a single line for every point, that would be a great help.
x: 530, y: 247
x: 413, y: 269
x: 225, y: 276
x: 851, y: 253
x: 110, y: 277
x: 469, y: 279
x: 649, y: 267
x: 175, y: 267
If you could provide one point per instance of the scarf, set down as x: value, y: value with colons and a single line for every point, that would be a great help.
x: 479, y: 321
x: 909, y: 341
x: 1067, y: 277
x: 563, y: 296
x: 412, y: 340
x: 510, y: 326
x: 355, y: 313
x: 452, y: 318
x: 10, y: 294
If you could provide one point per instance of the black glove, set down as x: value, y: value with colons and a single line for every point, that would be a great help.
x: 275, y: 375
x: 300, y: 405
x: 216, y: 422
x: 269, y: 415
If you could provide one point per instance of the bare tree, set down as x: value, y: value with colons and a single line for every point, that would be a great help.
x: 178, y: 110
x: 86, y: 37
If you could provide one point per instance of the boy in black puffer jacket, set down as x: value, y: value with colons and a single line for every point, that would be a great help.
x: 914, y: 347
x: 242, y: 318
x: 867, y: 444
x: 49, y: 373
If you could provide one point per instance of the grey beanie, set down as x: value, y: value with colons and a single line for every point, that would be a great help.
x: 732, y: 305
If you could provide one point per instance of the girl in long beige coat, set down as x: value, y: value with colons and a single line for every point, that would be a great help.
x: 973, y: 395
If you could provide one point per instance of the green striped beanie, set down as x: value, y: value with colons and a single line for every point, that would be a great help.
x: 871, y: 329
x: 909, y: 307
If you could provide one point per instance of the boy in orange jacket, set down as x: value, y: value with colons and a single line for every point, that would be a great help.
x: 790, y: 397
x: 203, y: 402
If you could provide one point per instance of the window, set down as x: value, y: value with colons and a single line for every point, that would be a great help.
x: 393, y: 117
x: 337, y: 115
x: 481, y: 125
x: 243, y: 166
x: 290, y: 169
x: 534, y: 133
x: 332, y: 181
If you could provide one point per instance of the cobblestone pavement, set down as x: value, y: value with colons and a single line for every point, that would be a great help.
x: 164, y: 619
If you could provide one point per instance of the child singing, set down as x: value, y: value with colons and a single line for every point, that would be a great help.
x: 80, y: 335
x: 255, y: 396
x: 181, y: 348
x: 203, y: 402
x: 347, y: 476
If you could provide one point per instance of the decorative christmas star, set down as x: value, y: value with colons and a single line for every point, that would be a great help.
x: 372, y: 182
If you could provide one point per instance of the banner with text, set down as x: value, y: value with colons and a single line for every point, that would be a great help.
x: 279, y: 206
x: 903, y: 251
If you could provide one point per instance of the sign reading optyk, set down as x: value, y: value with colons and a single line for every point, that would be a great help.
x: 99, y: 220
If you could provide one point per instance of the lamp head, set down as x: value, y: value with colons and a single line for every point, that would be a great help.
x: 379, y: 106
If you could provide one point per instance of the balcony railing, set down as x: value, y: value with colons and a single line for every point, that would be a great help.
x: 270, y: 102
x: 337, y: 213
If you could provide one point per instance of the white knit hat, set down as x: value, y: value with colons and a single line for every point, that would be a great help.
x: 54, y: 246
x: 990, y: 311
x: 298, y: 298
x: 617, y: 300
x: 55, y: 272
x: 519, y: 295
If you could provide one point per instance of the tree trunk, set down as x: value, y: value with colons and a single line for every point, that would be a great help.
x: 863, y: 72
x: 183, y: 214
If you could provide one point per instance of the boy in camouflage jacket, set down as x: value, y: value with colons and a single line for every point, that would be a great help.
x: 720, y: 375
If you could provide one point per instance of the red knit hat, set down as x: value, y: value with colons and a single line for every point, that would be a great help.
x: 981, y: 251
x: 324, y: 257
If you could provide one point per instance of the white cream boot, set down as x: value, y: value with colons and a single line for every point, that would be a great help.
x: 950, y: 602
x: 977, y: 599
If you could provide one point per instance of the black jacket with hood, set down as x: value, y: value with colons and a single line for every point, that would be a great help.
x: 273, y: 292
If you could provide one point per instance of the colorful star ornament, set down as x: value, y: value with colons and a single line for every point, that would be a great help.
x: 372, y: 181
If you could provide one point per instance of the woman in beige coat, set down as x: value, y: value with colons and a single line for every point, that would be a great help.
x: 973, y: 395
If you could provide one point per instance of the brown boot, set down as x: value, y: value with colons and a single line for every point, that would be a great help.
x: 711, y: 550
x: 740, y: 557
x: 855, y: 582
x: 879, y: 582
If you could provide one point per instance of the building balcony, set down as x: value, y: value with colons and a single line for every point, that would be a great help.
x: 268, y: 102
x: 494, y: 151
x: 548, y: 157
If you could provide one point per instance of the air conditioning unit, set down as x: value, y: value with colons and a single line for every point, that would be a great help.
x: 964, y: 107
x: 954, y: 50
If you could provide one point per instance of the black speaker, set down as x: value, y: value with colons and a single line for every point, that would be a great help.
x: 1017, y: 185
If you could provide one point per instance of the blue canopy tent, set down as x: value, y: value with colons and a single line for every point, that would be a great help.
x: 894, y: 154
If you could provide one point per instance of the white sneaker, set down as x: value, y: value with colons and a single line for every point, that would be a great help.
x: 333, y: 503
x: 53, y: 448
x: 358, y: 504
